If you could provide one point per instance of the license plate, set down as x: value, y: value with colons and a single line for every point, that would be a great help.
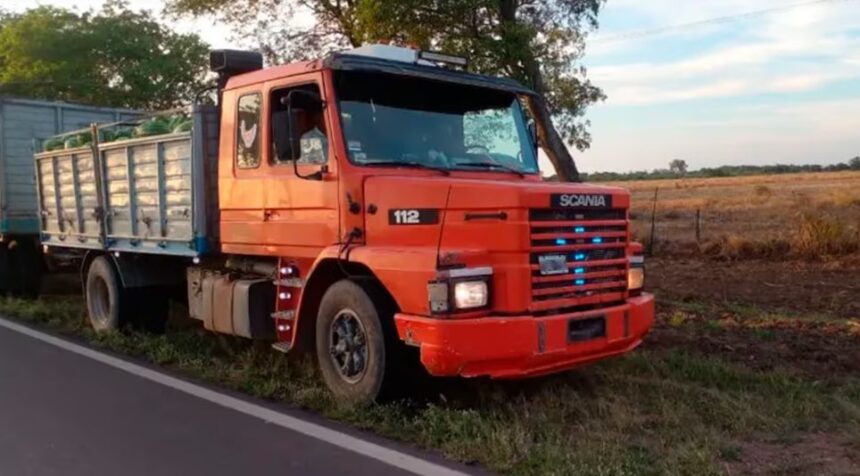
x: 579, y: 330
x: 553, y: 264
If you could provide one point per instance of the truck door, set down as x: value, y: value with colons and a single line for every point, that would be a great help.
x: 241, y: 172
x: 301, y: 215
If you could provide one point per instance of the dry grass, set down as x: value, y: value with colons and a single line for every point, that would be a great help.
x: 807, y: 215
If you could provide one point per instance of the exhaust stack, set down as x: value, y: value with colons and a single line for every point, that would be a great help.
x: 229, y: 63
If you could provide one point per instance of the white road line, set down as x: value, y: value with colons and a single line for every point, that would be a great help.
x: 313, y: 430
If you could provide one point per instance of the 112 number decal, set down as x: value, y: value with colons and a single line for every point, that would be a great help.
x: 413, y: 216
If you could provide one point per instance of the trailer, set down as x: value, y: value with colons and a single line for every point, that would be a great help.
x: 379, y: 207
x: 24, y: 124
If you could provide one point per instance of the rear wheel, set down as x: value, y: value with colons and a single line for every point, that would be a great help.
x: 26, y: 268
x: 106, y: 296
x: 5, y: 269
x: 353, y: 344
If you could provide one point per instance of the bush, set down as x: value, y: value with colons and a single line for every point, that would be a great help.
x: 763, y: 191
x: 820, y: 236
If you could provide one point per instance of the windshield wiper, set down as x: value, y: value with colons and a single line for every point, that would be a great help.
x: 417, y: 165
x: 493, y: 165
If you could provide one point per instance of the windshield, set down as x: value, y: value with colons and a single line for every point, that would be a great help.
x: 391, y: 119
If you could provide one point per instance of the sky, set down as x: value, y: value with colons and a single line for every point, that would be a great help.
x: 780, y: 87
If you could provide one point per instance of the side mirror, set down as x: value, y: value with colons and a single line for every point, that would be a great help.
x: 285, y: 125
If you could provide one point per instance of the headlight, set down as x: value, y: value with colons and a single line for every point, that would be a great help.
x: 470, y: 294
x: 636, y: 273
x: 460, y: 289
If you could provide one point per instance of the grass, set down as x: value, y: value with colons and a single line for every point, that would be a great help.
x: 652, y: 412
x: 767, y: 216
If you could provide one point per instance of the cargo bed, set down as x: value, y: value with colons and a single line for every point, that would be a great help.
x: 144, y: 195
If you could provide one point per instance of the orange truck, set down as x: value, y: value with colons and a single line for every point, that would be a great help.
x: 377, y: 206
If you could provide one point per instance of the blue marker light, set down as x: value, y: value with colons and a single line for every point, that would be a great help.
x: 561, y: 242
x: 597, y: 240
x: 578, y: 270
x: 579, y: 256
x: 579, y: 229
x: 579, y: 282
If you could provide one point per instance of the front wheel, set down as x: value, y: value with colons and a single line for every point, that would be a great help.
x: 351, y: 344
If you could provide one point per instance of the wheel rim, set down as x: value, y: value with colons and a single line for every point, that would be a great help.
x: 100, y: 301
x: 348, y: 346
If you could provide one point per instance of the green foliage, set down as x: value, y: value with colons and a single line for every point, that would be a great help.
x: 114, y: 57
x: 678, y: 167
x: 537, y: 43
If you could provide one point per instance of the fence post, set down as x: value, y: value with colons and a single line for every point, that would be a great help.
x: 653, y: 223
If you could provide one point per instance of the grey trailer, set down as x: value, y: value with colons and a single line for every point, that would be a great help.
x: 24, y: 124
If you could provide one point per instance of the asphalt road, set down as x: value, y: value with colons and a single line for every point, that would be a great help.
x: 63, y: 413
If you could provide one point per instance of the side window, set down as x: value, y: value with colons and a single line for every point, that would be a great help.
x: 248, y: 131
x: 303, y: 104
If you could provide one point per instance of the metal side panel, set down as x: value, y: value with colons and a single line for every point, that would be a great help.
x: 204, y: 175
x: 149, y: 189
x: 67, y: 199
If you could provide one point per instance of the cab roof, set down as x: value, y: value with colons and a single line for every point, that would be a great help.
x: 345, y: 61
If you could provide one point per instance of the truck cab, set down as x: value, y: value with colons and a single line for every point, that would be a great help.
x: 414, y: 190
x: 377, y: 207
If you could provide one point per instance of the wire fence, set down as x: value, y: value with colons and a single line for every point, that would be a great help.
x: 694, y: 227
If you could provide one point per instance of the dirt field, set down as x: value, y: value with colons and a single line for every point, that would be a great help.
x: 757, y: 209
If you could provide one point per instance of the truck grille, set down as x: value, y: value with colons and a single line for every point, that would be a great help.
x: 593, y: 243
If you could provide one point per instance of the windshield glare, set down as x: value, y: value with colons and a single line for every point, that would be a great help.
x: 397, y: 119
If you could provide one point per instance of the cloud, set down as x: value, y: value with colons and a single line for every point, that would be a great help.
x: 814, y: 131
x: 789, y: 52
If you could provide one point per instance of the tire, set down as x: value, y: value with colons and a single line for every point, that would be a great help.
x: 107, y: 299
x: 348, y: 302
x: 28, y: 267
x: 5, y: 269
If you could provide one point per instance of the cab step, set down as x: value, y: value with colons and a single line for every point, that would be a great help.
x: 289, y: 283
x: 282, y: 347
x: 287, y: 315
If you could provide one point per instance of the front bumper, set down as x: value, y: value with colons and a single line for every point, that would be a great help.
x: 522, y: 346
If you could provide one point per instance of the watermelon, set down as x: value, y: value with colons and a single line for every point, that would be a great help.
x: 153, y: 127
x: 54, y: 143
x: 78, y: 140
x: 175, y: 121
x: 107, y: 136
x: 183, y: 126
x: 123, y: 134
x: 72, y: 142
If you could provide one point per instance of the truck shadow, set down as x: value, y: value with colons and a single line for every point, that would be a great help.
x: 461, y: 393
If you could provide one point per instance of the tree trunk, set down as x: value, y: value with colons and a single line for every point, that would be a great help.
x: 551, y: 142
x: 549, y: 138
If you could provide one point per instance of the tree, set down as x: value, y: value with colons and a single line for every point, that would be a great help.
x: 537, y: 42
x: 854, y: 163
x: 115, y: 57
x: 678, y: 167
